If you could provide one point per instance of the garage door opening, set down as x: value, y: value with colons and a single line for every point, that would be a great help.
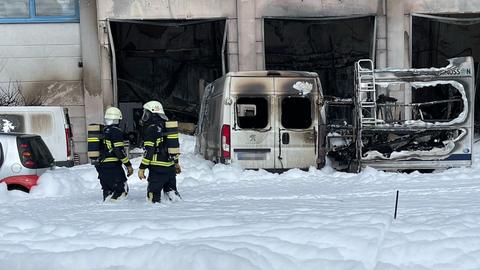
x: 328, y: 46
x: 437, y: 38
x: 167, y: 60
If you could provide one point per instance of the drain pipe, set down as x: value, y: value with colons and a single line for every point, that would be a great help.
x: 114, y: 66
x: 224, y: 43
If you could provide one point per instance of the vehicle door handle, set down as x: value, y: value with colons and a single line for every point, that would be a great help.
x: 285, y: 138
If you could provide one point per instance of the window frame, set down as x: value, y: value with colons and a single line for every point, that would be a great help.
x: 33, y: 18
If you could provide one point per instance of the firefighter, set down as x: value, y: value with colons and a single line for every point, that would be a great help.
x: 161, y: 154
x: 110, y: 171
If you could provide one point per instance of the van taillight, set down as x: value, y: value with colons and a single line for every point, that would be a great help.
x: 67, y: 136
x: 226, y: 141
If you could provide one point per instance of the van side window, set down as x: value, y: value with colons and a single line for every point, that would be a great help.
x: 12, y: 123
x: 252, y: 112
x: 296, y: 112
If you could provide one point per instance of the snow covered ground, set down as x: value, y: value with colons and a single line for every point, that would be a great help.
x: 236, y: 219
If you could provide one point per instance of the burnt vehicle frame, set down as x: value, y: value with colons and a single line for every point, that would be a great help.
x: 430, y: 130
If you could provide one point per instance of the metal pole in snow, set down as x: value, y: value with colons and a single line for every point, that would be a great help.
x: 396, y: 206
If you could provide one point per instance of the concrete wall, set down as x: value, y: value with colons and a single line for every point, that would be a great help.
x: 245, y: 24
x: 91, y: 62
x: 44, y: 59
x: 304, y: 9
x: 442, y: 6
x: 165, y: 9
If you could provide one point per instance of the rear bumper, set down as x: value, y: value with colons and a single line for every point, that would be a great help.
x: 27, y: 181
x: 67, y: 163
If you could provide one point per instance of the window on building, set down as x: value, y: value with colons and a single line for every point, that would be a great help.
x: 55, y: 7
x: 31, y: 11
x: 296, y: 112
x: 14, y: 9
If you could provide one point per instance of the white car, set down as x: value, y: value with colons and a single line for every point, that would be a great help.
x: 50, y: 122
x: 23, y: 158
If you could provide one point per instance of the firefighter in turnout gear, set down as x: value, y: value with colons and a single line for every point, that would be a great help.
x: 161, y: 153
x: 110, y: 171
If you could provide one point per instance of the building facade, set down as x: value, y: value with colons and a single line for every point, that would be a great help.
x: 124, y: 52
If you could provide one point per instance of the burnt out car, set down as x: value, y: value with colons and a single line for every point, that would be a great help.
x: 408, y: 119
x: 263, y: 119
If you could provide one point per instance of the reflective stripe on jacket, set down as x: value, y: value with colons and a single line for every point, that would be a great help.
x: 114, y: 150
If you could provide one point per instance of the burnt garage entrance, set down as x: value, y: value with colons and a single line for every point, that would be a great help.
x: 329, y: 46
x: 438, y: 38
x: 166, y: 60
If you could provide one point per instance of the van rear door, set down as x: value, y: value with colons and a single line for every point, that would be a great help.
x: 253, y: 130
x: 297, y: 121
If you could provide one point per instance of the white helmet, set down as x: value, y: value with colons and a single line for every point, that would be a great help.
x: 112, y: 116
x: 154, y: 106
x: 113, y: 113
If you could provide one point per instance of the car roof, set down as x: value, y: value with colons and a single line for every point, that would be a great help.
x: 18, y: 109
x: 17, y: 134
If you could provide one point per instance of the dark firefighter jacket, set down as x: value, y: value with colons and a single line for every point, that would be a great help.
x: 161, y: 145
x: 113, y: 150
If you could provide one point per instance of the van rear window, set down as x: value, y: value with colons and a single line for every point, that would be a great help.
x: 12, y: 123
x: 252, y: 112
x: 296, y: 112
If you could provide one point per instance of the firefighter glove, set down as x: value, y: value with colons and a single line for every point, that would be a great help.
x: 141, y: 174
x: 178, y: 169
x: 129, y: 170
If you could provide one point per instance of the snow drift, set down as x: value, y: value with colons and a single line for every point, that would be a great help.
x: 239, y: 219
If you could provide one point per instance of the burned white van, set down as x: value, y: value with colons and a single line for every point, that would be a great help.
x: 408, y: 119
x: 263, y: 119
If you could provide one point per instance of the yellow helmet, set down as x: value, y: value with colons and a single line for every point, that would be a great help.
x: 113, y: 113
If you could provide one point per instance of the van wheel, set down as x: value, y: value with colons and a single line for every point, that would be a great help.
x: 18, y: 187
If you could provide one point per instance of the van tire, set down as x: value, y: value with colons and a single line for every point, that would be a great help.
x: 18, y: 187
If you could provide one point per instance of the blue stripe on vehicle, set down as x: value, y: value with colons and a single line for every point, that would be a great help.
x: 451, y: 157
x: 460, y: 157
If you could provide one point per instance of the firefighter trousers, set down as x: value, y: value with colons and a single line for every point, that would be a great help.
x: 113, y: 180
x: 161, y: 178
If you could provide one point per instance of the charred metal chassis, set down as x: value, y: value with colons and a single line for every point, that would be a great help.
x: 405, y: 143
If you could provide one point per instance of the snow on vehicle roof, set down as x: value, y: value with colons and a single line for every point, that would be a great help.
x: 265, y: 73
